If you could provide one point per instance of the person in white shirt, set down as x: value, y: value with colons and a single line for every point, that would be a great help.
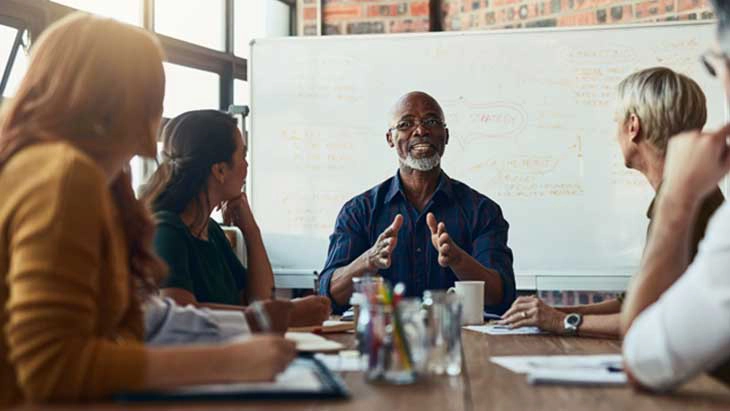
x: 676, y: 316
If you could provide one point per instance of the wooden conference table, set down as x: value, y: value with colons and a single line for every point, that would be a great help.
x: 483, y: 386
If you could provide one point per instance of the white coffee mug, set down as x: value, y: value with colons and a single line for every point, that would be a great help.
x: 471, y: 294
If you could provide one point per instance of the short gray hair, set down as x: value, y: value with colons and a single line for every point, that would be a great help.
x: 666, y: 103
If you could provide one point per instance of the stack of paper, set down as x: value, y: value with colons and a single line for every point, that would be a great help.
x: 494, y: 329
x: 567, y: 369
x: 329, y: 326
x: 294, y: 378
x: 344, y: 361
x: 312, y: 342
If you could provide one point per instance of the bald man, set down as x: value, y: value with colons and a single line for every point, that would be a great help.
x: 420, y: 227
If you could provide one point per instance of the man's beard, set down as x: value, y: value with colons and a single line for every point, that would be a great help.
x: 420, y: 164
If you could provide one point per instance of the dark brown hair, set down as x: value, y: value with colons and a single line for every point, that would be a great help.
x: 192, y: 143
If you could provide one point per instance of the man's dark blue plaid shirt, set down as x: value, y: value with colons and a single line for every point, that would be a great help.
x: 472, y: 220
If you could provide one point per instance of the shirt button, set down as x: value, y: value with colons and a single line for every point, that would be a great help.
x: 418, y: 250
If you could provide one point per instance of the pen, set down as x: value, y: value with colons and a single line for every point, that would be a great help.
x: 610, y: 367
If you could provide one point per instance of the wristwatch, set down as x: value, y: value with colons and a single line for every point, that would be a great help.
x: 571, y: 322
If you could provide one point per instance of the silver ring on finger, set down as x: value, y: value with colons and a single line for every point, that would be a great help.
x: 524, y: 314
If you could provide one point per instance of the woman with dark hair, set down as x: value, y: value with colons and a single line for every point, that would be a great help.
x: 204, y: 166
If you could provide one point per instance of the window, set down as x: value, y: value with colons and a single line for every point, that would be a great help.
x: 241, y: 93
x: 242, y: 97
x: 189, y: 89
x: 258, y: 18
x: 142, y: 169
x: 128, y: 11
x: 7, y: 39
x: 20, y: 66
x: 199, y: 22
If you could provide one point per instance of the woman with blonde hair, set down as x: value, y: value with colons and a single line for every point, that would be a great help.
x: 653, y: 105
x: 75, y: 245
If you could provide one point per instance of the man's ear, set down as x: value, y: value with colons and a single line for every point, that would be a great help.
x: 389, y: 138
x: 446, y: 136
x: 634, y: 128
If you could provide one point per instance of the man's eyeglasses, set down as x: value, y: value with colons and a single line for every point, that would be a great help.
x: 430, y: 123
x: 707, y: 57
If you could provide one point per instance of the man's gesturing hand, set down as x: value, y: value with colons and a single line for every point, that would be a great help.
x: 379, y: 255
x: 449, y: 252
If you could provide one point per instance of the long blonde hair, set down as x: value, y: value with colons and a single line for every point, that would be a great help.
x: 97, y: 84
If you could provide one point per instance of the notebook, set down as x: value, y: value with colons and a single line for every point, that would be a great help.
x: 305, y: 378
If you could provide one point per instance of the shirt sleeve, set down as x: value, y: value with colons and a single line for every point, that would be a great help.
x: 490, y: 249
x: 348, y: 241
x: 667, y: 344
x: 54, y: 283
x: 170, y: 245
x: 167, y: 323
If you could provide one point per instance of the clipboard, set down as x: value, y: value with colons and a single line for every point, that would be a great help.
x: 330, y: 386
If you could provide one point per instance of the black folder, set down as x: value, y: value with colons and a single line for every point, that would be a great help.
x: 330, y: 386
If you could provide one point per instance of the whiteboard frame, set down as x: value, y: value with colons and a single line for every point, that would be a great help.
x: 525, y: 280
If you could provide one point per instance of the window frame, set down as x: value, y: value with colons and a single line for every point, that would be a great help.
x: 292, y: 15
x: 36, y: 15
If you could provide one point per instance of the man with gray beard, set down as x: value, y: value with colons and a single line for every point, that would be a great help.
x: 420, y: 227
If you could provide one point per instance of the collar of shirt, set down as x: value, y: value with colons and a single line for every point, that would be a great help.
x: 650, y: 210
x: 444, y: 187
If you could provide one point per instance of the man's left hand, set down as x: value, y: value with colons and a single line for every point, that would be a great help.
x: 450, y: 254
x: 532, y: 311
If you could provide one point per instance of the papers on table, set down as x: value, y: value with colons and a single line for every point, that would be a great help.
x: 312, y: 342
x: 344, y: 361
x: 329, y: 326
x: 348, y: 315
x: 294, y: 379
x: 567, y: 369
x: 577, y: 377
x: 494, y: 329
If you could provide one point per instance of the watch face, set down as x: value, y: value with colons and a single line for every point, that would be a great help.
x: 573, y: 319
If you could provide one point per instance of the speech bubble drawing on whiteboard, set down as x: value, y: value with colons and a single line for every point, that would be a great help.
x: 494, y: 120
x: 590, y: 55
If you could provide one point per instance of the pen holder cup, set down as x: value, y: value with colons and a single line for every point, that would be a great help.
x: 392, y: 341
x: 443, y: 318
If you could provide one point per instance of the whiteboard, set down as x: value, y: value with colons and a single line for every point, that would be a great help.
x: 530, y: 113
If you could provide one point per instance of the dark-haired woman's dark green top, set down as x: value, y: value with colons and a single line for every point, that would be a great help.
x: 207, y: 268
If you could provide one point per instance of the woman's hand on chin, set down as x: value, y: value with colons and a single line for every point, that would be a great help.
x: 238, y: 212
